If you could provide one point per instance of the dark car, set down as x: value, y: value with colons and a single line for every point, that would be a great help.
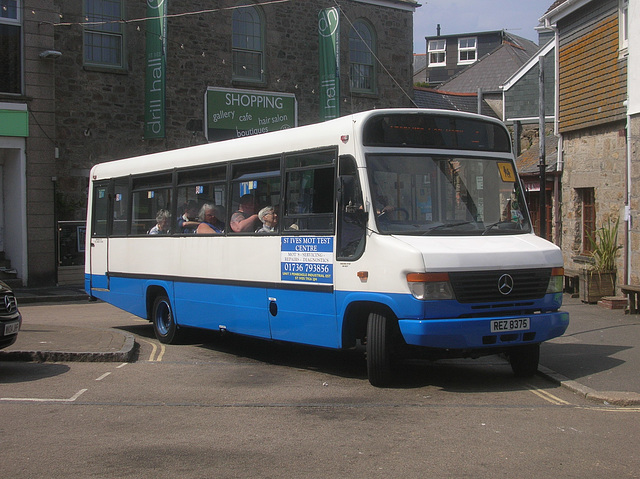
x: 10, y: 318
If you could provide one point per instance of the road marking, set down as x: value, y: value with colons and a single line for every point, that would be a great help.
x: 71, y: 399
x: 102, y: 377
x: 547, y: 396
x: 122, y: 365
x: 154, y: 349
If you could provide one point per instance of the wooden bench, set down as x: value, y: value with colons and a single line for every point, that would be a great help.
x: 632, y: 291
x: 572, y: 282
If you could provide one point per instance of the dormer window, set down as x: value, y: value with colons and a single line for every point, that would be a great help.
x: 437, y: 53
x: 467, y: 50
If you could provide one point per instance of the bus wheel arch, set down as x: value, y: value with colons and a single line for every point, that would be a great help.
x: 161, y: 315
x: 355, y: 318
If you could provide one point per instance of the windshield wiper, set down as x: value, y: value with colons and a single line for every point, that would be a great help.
x: 447, y: 225
x: 497, y: 223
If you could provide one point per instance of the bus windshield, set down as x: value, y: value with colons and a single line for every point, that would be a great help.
x: 446, y: 195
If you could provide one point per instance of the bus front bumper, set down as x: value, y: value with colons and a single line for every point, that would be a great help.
x: 476, y: 333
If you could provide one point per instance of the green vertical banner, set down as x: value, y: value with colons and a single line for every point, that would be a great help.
x: 154, y: 98
x: 329, y: 37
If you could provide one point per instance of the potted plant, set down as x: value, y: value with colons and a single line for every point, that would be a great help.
x: 600, y: 279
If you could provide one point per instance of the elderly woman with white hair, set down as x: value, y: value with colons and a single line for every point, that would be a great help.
x: 211, y: 219
x: 269, y: 219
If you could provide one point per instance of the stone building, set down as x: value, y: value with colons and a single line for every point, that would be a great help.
x: 84, y: 74
x: 592, y: 120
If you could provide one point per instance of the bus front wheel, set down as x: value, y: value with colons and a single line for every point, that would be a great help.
x: 379, y: 342
x: 164, y: 324
x: 524, y: 360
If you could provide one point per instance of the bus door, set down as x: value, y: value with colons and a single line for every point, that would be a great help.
x: 303, y: 314
x: 98, y: 253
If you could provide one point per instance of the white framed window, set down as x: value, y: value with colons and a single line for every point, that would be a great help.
x: 623, y: 29
x: 362, y: 67
x: 104, y: 33
x: 437, y: 50
x: 11, y: 46
x: 467, y: 50
x: 248, y: 44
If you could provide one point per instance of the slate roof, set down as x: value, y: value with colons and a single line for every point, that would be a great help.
x: 494, y: 69
x: 419, y: 67
x: 468, y: 102
x: 555, y: 4
x: 528, y: 162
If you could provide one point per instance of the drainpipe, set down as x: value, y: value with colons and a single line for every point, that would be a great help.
x: 627, y: 203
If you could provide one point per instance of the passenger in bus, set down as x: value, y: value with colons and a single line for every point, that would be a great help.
x: 163, y: 218
x: 269, y: 219
x: 188, y: 223
x: 245, y: 218
x: 211, y: 219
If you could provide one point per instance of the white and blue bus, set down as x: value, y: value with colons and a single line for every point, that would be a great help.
x: 400, y: 231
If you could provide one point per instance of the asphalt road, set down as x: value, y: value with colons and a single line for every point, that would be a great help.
x: 229, y: 407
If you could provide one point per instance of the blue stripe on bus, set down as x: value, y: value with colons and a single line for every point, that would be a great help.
x: 315, y: 318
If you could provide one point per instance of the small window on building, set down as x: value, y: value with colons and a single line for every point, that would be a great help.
x: 623, y: 29
x: 361, y: 57
x: 248, y: 44
x: 103, y: 33
x: 467, y: 50
x: 437, y: 53
x: 11, y: 46
x: 588, y: 204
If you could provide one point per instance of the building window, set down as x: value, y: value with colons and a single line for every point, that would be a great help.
x: 10, y: 46
x: 248, y: 44
x: 437, y: 53
x: 623, y: 18
x: 361, y: 58
x: 587, y: 201
x: 467, y: 50
x: 103, y: 33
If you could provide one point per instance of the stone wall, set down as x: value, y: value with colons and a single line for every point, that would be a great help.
x: 100, y: 113
x: 593, y: 158
x: 40, y: 146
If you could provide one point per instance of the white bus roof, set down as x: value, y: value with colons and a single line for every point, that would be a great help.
x: 324, y: 134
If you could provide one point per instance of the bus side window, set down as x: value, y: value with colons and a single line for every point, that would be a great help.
x: 99, y: 228
x: 255, y: 184
x: 310, y: 192
x: 120, y: 205
x: 150, y: 195
x: 351, y: 214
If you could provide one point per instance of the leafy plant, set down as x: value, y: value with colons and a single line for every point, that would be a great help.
x: 604, y: 246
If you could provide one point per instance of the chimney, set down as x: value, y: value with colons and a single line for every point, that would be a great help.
x: 438, y: 30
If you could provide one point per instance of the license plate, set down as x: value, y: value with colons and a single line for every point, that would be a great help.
x: 11, y: 328
x: 517, y: 324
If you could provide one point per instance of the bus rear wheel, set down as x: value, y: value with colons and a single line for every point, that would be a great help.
x: 524, y: 360
x: 164, y: 325
x: 379, y: 350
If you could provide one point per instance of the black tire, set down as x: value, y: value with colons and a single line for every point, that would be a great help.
x: 164, y: 324
x: 524, y: 360
x: 379, y: 342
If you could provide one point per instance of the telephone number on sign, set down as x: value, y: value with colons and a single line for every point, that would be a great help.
x: 518, y: 324
x: 305, y: 268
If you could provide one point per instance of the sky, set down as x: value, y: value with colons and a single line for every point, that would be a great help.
x: 519, y: 17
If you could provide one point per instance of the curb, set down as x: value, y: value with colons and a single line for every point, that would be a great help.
x: 617, y: 398
x: 50, y: 299
x: 126, y: 354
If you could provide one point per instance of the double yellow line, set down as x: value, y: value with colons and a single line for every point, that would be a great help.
x: 154, y: 349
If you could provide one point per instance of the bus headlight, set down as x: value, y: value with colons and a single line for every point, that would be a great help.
x: 556, y: 282
x: 430, y: 286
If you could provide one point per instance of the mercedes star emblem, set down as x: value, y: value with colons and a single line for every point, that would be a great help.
x: 505, y: 284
